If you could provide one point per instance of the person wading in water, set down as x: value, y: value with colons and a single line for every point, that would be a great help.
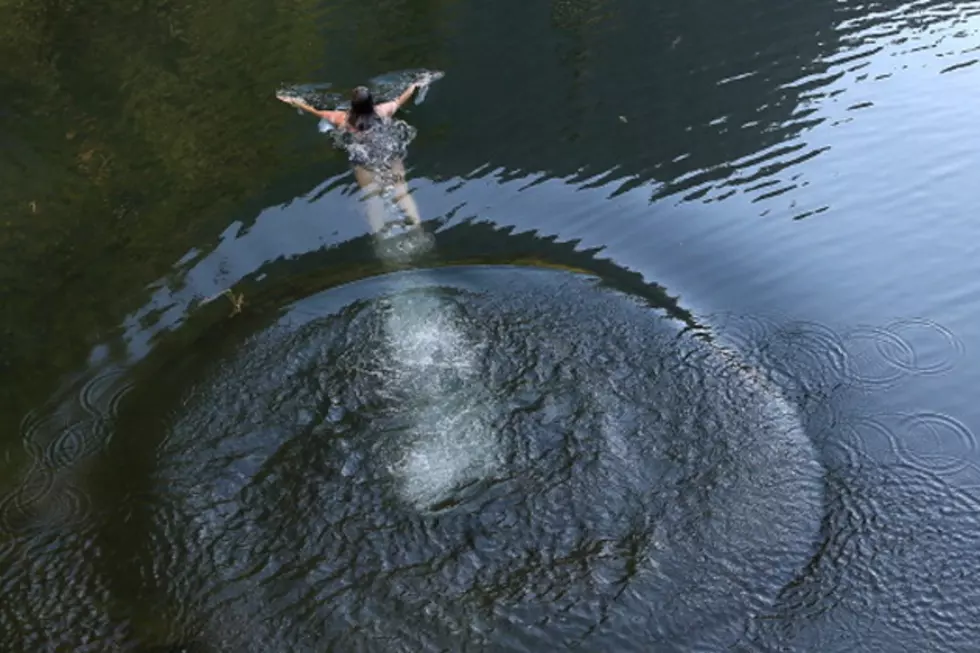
x: 376, y: 152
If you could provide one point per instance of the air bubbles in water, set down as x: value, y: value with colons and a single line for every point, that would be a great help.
x: 432, y: 358
x: 447, y: 452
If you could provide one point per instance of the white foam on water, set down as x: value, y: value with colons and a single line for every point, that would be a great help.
x: 424, y: 338
x: 447, y: 453
x: 450, y: 444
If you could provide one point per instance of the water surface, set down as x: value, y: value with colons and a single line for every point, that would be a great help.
x: 743, y: 205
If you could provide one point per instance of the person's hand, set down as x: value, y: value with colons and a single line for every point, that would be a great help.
x: 291, y: 100
x: 427, y: 78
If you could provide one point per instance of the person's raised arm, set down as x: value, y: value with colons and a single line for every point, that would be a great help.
x: 388, y: 109
x: 335, y: 117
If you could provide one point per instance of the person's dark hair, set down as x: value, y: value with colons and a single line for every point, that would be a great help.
x: 362, y: 114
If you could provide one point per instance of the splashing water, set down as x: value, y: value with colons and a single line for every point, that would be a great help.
x: 389, y: 85
x: 434, y: 363
x: 384, y: 87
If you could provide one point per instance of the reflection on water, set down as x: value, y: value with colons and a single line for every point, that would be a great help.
x: 597, y: 469
x: 712, y: 114
x: 505, y: 458
x: 414, y: 461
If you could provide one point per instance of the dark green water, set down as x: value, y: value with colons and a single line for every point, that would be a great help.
x: 735, y: 414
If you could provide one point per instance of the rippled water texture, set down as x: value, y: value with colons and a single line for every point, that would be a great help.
x: 234, y: 422
x: 498, y: 458
x: 451, y: 460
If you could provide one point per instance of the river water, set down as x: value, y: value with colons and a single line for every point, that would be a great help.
x: 679, y: 359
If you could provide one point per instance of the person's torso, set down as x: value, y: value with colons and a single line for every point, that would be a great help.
x: 382, y: 141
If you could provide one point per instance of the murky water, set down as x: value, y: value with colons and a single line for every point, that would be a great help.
x: 680, y: 358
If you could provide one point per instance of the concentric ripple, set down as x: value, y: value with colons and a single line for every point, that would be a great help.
x: 895, y: 572
x: 480, y: 457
